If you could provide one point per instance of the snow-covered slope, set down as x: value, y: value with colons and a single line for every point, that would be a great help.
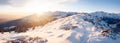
x: 97, y: 27
x: 60, y: 14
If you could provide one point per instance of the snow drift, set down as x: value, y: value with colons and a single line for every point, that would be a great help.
x: 97, y: 27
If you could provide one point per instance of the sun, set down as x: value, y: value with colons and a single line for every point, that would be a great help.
x: 36, y: 6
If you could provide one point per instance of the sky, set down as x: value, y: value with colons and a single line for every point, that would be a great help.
x: 59, y: 5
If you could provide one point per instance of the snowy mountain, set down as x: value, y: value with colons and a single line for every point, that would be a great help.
x: 60, y: 14
x: 32, y: 21
x: 96, y: 27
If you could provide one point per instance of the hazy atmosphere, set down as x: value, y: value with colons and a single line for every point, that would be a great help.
x: 59, y: 21
x: 59, y: 5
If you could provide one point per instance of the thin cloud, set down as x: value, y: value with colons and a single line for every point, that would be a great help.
x: 4, y: 2
x: 14, y: 3
x: 69, y: 1
x: 18, y: 3
x: 62, y: 1
x: 38, y: 5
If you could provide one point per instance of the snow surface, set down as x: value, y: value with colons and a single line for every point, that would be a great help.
x: 79, y: 28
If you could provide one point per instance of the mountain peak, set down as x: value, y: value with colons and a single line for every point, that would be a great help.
x: 98, y: 27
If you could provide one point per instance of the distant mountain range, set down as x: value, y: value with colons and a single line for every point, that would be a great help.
x: 33, y: 20
x: 40, y: 20
x: 8, y: 16
x: 64, y: 27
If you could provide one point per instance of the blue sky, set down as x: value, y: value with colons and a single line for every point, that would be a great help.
x: 96, y: 5
x: 60, y: 5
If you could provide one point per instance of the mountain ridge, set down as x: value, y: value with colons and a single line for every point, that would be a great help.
x: 96, y: 27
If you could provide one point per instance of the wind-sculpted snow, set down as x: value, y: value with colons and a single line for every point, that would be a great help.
x: 108, y: 22
x: 98, y: 27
